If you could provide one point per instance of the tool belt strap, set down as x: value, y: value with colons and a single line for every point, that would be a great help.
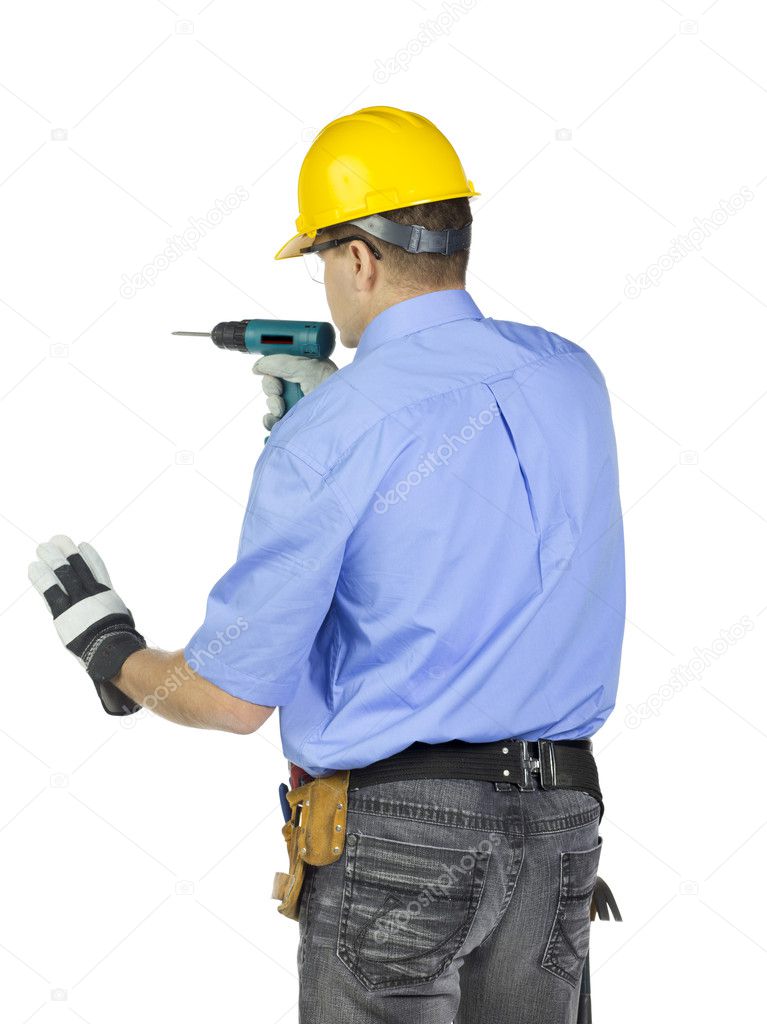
x: 555, y: 764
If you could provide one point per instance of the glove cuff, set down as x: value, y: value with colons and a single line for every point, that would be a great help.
x: 103, y: 660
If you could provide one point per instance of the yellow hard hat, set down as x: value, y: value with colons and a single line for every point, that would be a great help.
x: 378, y: 159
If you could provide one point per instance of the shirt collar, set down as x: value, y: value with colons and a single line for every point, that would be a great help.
x: 416, y: 314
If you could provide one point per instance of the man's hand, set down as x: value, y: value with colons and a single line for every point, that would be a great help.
x: 91, y: 620
x: 307, y: 372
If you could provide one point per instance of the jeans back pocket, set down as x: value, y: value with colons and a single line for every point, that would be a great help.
x: 569, y: 937
x: 406, y: 908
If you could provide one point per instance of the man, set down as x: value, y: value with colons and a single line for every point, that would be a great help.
x: 430, y: 586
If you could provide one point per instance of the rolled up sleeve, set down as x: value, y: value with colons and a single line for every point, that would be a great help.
x: 264, y: 613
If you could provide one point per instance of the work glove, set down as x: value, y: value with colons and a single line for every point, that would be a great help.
x: 90, y: 618
x: 302, y: 370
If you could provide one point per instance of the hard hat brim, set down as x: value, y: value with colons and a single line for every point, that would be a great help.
x: 294, y: 245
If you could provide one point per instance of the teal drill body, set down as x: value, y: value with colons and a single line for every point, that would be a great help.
x: 316, y: 340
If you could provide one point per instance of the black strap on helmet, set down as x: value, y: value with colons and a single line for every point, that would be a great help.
x: 415, y: 238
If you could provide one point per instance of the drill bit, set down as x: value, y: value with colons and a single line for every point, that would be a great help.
x: 193, y: 334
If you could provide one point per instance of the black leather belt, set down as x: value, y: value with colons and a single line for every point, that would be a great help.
x: 552, y: 764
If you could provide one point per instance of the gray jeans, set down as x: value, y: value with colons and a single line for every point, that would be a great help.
x: 453, y: 900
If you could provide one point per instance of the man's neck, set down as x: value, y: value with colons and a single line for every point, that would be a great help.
x: 391, y: 298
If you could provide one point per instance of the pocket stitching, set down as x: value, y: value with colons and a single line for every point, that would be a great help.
x: 557, y: 934
x: 475, y: 889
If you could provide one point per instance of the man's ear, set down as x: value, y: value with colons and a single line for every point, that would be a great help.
x: 355, y: 248
x: 364, y: 261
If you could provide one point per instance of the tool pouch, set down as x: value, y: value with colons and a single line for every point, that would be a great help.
x: 314, y: 834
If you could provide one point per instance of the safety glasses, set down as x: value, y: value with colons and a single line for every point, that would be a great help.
x: 315, y: 264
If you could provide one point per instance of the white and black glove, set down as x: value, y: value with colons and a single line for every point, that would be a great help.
x: 90, y: 618
x: 305, y: 371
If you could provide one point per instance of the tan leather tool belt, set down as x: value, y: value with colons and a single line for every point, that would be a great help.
x: 314, y: 834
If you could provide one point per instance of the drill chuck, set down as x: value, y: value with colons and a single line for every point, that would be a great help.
x: 230, y: 334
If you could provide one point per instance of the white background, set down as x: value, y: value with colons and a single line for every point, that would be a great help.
x: 598, y: 134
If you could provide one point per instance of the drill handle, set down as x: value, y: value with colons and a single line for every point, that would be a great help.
x: 291, y: 393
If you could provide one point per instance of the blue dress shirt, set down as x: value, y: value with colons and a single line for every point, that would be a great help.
x: 432, y: 547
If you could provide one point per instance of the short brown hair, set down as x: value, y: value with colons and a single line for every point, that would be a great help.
x: 422, y: 269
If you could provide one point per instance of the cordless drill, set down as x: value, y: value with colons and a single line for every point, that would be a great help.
x: 268, y: 337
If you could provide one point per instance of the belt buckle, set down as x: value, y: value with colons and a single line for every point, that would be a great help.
x: 530, y: 766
